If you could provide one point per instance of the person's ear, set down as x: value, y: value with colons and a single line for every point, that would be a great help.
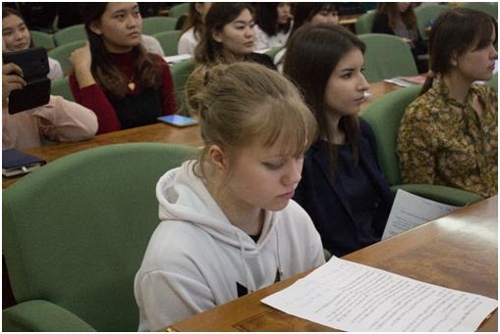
x: 454, y: 59
x: 95, y: 27
x: 216, y: 35
x: 218, y: 158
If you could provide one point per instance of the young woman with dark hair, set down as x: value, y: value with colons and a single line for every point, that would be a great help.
x: 448, y: 135
x: 343, y: 188
x: 114, y: 75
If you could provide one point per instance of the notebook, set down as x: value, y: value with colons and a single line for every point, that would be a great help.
x: 16, y: 162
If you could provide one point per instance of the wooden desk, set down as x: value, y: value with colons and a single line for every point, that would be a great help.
x: 458, y: 251
x: 159, y: 133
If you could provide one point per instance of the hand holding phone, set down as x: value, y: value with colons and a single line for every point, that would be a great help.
x: 12, y: 79
x: 34, y: 64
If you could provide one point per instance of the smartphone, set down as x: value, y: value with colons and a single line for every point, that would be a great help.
x: 35, y: 65
x: 178, y: 120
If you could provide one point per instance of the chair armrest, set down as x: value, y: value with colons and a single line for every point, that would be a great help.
x: 443, y: 194
x: 42, y: 316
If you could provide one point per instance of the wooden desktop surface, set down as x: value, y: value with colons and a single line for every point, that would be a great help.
x: 458, y: 251
x: 160, y: 132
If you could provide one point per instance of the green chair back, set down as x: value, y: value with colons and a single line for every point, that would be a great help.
x: 178, y: 10
x: 156, y: 24
x: 75, y: 232
x: 43, y: 39
x: 169, y: 40
x: 486, y: 7
x: 494, y: 81
x: 386, y: 57
x: 426, y: 15
x: 63, y: 52
x: 180, y: 73
x: 364, y: 23
x: 62, y: 88
x: 384, y: 116
x: 70, y: 34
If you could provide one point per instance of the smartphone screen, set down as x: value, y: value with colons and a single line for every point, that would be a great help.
x: 178, y: 120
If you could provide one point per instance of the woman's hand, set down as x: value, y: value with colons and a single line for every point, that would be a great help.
x: 12, y: 79
x: 82, y: 60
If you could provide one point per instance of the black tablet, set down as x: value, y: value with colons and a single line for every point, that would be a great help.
x: 35, y: 65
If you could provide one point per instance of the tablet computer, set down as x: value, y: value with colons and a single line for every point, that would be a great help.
x: 178, y: 120
x: 35, y: 65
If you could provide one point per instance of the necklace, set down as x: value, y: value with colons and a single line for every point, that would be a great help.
x: 131, y: 83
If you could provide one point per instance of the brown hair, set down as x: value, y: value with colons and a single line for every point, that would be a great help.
x: 456, y: 31
x: 243, y: 103
x: 312, y: 54
x: 391, y: 10
x: 107, y: 75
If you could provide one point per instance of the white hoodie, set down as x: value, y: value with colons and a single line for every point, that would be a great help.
x: 196, y: 258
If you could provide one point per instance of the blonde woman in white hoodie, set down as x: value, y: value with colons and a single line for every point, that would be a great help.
x: 228, y: 224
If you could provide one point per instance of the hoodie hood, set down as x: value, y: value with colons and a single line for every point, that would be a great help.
x: 183, y: 196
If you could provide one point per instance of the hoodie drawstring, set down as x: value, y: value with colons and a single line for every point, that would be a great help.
x: 278, y: 260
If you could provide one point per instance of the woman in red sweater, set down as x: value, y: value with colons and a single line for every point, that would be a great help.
x: 113, y: 74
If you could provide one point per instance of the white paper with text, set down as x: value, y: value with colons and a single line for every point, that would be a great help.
x: 409, y: 211
x: 353, y: 297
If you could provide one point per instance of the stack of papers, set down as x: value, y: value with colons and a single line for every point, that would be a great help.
x: 354, y: 297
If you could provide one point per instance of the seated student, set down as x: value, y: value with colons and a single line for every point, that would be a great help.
x: 343, y: 188
x: 193, y: 28
x: 16, y: 36
x: 273, y: 24
x: 229, y: 226
x: 59, y: 120
x: 399, y: 19
x: 229, y: 36
x: 309, y: 12
x: 448, y: 135
x: 113, y: 74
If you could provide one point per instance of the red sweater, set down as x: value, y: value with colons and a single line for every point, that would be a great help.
x: 94, y: 98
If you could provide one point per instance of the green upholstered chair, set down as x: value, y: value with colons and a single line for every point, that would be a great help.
x: 178, y: 10
x: 426, y: 14
x: 364, y: 23
x: 63, y: 52
x: 387, y: 57
x: 70, y: 34
x: 62, y: 88
x: 74, y: 235
x: 156, y: 24
x: 43, y: 39
x: 169, y: 40
x: 494, y: 81
x: 384, y: 116
x: 180, y: 73
x: 486, y: 7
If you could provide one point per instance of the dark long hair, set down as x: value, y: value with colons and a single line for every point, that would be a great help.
x: 194, y: 20
x: 391, y: 10
x: 267, y: 16
x: 456, y: 31
x: 209, y: 51
x: 106, y: 74
x: 305, y: 11
x: 312, y: 54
